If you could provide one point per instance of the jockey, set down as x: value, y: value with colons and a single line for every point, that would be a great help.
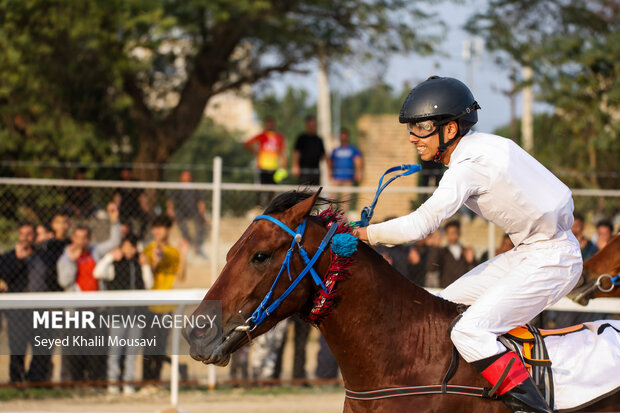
x: 503, y: 184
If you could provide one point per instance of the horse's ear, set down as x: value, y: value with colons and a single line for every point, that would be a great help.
x: 297, y: 213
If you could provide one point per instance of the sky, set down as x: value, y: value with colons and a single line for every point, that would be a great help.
x: 487, y: 79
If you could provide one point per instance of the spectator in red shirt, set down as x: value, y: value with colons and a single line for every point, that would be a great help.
x: 76, y: 265
x: 75, y: 273
x: 270, y: 150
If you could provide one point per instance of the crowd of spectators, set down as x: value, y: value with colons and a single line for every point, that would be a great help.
x: 61, y: 254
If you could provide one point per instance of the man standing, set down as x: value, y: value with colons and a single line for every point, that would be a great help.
x: 23, y: 271
x: 50, y: 250
x: 453, y: 260
x: 308, y: 153
x: 75, y: 273
x: 168, y: 265
x: 185, y: 205
x: 124, y: 268
x: 345, y: 162
x: 76, y: 265
x: 132, y: 205
x: 269, y: 148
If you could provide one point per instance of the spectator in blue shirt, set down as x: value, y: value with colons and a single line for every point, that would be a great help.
x: 345, y: 162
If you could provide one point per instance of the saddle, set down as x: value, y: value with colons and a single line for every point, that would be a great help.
x: 528, y: 342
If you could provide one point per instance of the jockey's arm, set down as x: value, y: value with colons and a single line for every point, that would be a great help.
x: 458, y: 184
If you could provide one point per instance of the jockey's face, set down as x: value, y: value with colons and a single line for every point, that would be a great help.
x: 427, y: 147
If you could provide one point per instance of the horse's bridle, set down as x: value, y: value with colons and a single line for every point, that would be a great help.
x: 264, y: 310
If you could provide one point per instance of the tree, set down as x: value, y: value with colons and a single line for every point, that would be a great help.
x: 147, y: 68
x: 574, y: 48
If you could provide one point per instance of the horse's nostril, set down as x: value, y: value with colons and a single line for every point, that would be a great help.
x: 198, y: 333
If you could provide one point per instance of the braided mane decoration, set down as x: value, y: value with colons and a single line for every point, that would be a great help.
x: 339, y: 269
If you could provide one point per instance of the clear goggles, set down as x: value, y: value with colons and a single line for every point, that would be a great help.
x: 421, y: 129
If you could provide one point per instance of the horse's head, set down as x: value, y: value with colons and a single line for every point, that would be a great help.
x: 252, y: 265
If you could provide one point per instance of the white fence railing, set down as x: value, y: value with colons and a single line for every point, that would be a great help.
x: 68, y: 300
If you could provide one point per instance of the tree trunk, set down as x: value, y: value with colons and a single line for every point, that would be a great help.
x: 151, y: 156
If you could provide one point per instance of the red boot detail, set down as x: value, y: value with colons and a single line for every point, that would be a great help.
x: 516, y: 375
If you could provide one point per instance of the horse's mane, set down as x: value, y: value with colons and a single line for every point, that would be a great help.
x: 289, y: 199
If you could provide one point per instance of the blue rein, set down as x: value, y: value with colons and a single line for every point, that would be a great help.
x: 368, y: 211
x: 265, y: 309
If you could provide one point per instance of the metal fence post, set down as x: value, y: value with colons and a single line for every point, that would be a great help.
x: 215, y: 239
x: 215, y: 217
x: 174, y: 363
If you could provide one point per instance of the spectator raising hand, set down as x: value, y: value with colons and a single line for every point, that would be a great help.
x: 112, y: 209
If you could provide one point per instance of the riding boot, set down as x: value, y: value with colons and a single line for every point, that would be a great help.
x: 512, y: 383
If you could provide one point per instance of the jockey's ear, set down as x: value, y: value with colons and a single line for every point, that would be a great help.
x: 295, y: 215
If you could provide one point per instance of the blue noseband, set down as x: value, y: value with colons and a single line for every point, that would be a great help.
x: 265, y: 309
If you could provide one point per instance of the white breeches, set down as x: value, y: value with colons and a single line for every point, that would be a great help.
x: 511, y: 289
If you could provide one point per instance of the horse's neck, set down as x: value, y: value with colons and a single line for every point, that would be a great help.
x: 385, y: 330
x: 607, y: 260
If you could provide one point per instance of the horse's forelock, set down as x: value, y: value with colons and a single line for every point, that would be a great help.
x: 289, y: 199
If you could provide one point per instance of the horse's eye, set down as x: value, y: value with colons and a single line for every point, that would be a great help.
x: 260, y: 257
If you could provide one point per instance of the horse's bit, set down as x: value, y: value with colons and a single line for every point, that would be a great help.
x: 264, y: 310
x: 613, y: 281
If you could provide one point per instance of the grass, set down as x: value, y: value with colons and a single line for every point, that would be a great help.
x: 34, y: 393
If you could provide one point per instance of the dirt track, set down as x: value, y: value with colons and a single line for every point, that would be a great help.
x: 190, y: 402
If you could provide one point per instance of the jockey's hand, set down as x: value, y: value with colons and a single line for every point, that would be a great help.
x: 361, y: 234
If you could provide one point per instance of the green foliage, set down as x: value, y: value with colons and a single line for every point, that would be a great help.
x: 574, y: 49
x: 79, y: 77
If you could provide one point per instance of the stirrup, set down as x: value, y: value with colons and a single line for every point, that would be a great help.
x: 526, y: 398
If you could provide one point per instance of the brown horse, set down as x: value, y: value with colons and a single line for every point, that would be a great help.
x: 384, y: 331
x: 597, y: 273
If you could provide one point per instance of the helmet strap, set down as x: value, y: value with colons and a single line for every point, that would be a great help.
x: 443, y: 146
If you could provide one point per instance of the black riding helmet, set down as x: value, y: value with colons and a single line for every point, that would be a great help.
x: 442, y: 100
